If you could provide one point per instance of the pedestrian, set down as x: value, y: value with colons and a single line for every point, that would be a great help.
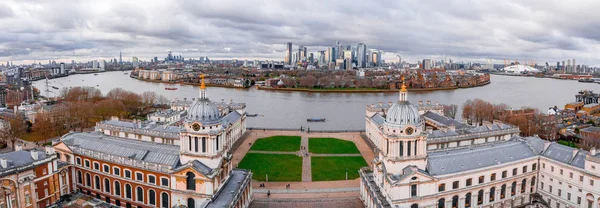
x: 268, y: 193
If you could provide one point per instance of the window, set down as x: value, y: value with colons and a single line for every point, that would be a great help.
x: 469, y: 181
x: 441, y: 203
x: 513, y: 189
x: 468, y: 200
x: 544, y: 165
x: 79, y: 177
x: 550, y: 189
x: 523, y: 185
x: 151, y: 179
x: 190, y: 181
x: 116, y: 171
x: 106, y: 168
x: 455, y: 185
x: 514, y: 172
x: 561, y: 171
x: 591, y: 182
x: 97, y: 182
x: 534, y: 167
x: 87, y: 163
x: 569, y: 196
x: 152, y: 197
x: 542, y: 185
x: 413, y: 190
x: 106, y: 185
x: 559, y: 192
x: 78, y: 161
x: 442, y: 187
x: 492, y: 194
x: 88, y: 180
x: 578, y: 200
x: 117, y: 188
x: 570, y: 174
x: 455, y: 202
x: 581, y: 178
x: 504, y: 174
x: 493, y: 177
x: 480, y: 197
x: 139, y: 176
x: 139, y: 194
x: 552, y: 168
x: 503, y: 191
x: 164, y: 181
x: 525, y: 169
x: 96, y: 166
x: 164, y: 200
x: 128, y: 191
x: 481, y: 179
x: 127, y: 174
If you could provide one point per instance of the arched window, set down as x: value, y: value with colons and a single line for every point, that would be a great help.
x: 117, y: 188
x: 492, y: 194
x: 152, y: 197
x: 480, y: 197
x: 88, y: 180
x: 97, y: 182
x: 139, y: 194
x: 190, y: 181
x: 203, y: 144
x: 106, y: 185
x: 164, y: 199
x: 128, y: 191
x: 532, y: 184
x: 79, y: 177
x: 523, y: 184
x: 513, y: 189
x: 503, y: 191
x: 468, y: 200
x: 455, y: 201
x: 196, y: 144
x: 414, y: 206
x: 191, y: 203
x: 441, y: 203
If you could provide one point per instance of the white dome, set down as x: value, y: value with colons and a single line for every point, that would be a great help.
x: 520, y: 69
x: 403, y: 113
x: 203, y: 110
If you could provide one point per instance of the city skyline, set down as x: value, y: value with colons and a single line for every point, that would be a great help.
x: 257, y: 30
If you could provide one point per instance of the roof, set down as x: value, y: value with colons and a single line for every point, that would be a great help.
x: 377, y: 118
x: 460, y: 160
x: 201, y: 167
x: 444, y: 120
x: 231, y: 190
x: 591, y: 129
x: 163, y: 154
x: 230, y: 118
x: 20, y: 158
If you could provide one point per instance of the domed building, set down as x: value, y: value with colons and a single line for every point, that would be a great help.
x: 424, y: 159
x: 519, y: 69
x: 134, y: 164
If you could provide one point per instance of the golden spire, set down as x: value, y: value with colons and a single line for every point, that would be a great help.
x: 403, y: 86
x: 202, y: 85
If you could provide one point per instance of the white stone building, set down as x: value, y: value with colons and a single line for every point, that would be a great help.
x: 457, y: 165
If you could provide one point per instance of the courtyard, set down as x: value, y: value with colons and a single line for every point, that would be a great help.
x: 302, y: 158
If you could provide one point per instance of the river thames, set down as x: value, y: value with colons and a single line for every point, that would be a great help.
x: 343, y: 111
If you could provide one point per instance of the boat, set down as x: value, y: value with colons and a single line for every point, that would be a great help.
x: 315, y: 119
x: 125, y: 73
x: 170, y: 88
x: 95, y: 74
x: 252, y: 114
x: 586, y: 80
x: 55, y: 87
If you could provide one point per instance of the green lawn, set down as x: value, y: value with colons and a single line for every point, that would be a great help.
x: 334, y: 168
x: 567, y: 143
x: 277, y: 143
x: 331, y: 146
x: 278, y: 167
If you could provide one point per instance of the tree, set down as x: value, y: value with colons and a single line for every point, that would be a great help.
x: 308, y: 81
x: 450, y: 110
x: 16, y: 128
x: 108, y: 108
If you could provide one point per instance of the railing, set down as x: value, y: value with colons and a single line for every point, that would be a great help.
x: 146, y: 132
x: 433, y: 140
x: 305, y: 129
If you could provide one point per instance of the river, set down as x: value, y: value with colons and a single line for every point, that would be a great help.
x: 343, y: 111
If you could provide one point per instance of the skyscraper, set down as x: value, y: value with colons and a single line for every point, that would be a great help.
x: 288, y: 54
x: 299, y: 55
x: 361, y: 55
x: 120, y: 58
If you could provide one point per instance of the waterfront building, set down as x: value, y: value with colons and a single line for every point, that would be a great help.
x: 362, y: 55
x: 128, y: 164
x: 33, y: 178
x: 459, y: 165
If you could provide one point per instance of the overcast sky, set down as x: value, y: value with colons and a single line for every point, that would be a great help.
x: 468, y: 30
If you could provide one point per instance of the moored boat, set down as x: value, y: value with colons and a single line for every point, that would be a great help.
x: 315, y: 119
x: 170, y: 88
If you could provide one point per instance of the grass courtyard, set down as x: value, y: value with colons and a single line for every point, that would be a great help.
x: 277, y: 143
x: 278, y: 167
x: 334, y: 168
x: 331, y: 146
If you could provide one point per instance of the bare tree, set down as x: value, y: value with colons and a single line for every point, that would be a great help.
x: 16, y: 128
x: 450, y: 110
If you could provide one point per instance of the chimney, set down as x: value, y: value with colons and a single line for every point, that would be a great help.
x: 452, y: 128
x: 34, y: 154
x: 390, y: 104
x: 49, y: 150
x: 18, y: 147
x: 114, y: 118
x: 593, y: 151
x: 429, y: 102
x: 380, y: 104
x: 420, y: 102
x: 3, y: 163
x: 429, y: 129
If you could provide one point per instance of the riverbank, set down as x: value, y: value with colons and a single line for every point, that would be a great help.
x: 329, y: 90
